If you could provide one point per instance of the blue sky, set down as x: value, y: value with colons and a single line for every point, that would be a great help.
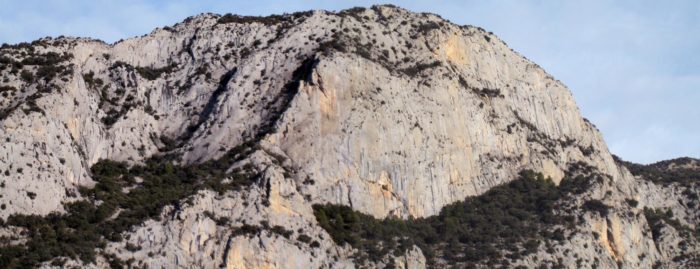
x: 633, y: 66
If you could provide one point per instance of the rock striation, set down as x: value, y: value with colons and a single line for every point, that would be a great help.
x: 392, y: 113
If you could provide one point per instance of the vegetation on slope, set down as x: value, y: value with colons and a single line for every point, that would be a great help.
x: 679, y: 170
x: 658, y: 219
x: 25, y: 62
x: 122, y: 198
x: 516, y: 217
x: 681, y: 175
x: 267, y: 20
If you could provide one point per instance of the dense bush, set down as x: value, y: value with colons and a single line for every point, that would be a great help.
x: 49, y: 72
x: 154, y: 73
x: 49, y: 66
x: 596, y: 206
x: 49, y: 58
x: 110, y: 210
x: 486, y: 92
x: 516, y: 217
x: 657, y: 217
x: 27, y: 76
x: 665, y: 172
x: 333, y: 44
x: 91, y: 81
x: 268, y: 20
x: 578, y: 184
x: 418, y: 68
x: 428, y: 26
x: 6, y: 91
x: 353, y: 12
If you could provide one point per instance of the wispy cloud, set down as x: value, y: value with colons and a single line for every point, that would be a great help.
x: 633, y: 66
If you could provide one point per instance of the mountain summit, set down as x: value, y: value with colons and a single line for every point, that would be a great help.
x: 371, y: 137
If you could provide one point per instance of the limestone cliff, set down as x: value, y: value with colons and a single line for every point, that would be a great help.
x: 392, y: 113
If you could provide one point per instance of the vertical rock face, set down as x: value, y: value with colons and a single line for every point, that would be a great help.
x: 393, y: 113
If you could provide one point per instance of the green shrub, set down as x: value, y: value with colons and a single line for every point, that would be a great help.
x: 576, y: 185
x: 515, y: 216
x: 428, y: 26
x: 657, y: 217
x: 48, y: 72
x: 91, y: 81
x: 49, y: 58
x: 86, y: 225
x: 281, y: 231
x: 418, y: 68
x: 665, y: 172
x: 49, y: 66
x: 315, y: 244
x: 4, y: 89
x: 353, y: 12
x: 27, y: 76
x: 304, y: 238
x: 154, y: 73
x: 486, y: 92
x: 596, y: 206
x: 269, y: 20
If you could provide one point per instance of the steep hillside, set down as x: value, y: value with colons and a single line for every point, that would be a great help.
x: 287, y: 141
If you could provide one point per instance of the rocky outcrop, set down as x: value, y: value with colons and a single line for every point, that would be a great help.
x: 393, y: 113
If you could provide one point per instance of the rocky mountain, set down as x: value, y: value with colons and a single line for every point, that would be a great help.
x: 375, y: 137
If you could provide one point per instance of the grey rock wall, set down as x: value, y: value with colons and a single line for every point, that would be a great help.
x: 391, y: 112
